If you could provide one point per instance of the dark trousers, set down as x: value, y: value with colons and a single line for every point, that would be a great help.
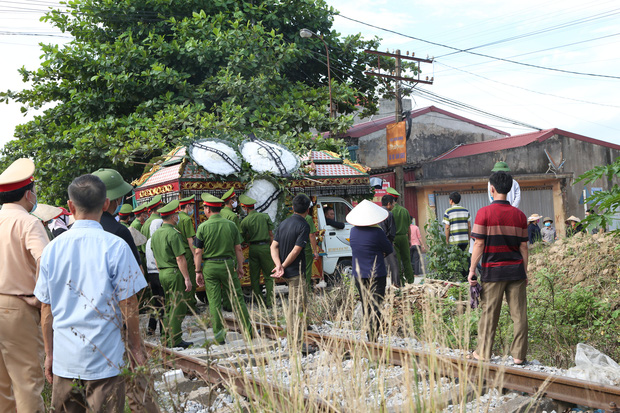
x: 415, y: 259
x: 465, y: 272
x: 157, y: 302
x: 372, y: 291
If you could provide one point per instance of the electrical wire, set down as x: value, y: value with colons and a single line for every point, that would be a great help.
x: 530, y: 90
x: 541, y: 31
x: 480, y: 54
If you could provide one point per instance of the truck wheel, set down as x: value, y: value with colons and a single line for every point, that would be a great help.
x: 344, y: 270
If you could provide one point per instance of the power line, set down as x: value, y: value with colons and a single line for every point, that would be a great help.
x: 543, y: 30
x: 479, y: 54
x: 529, y: 90
x: 546, y: 49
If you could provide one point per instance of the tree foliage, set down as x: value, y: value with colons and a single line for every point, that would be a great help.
x: 607, y: 202
x: 444, y: 260
x: 142, y: 76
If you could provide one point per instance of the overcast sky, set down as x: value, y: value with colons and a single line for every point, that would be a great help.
x: 556, y: 35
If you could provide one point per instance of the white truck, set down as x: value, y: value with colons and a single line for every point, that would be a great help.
x: 335, y: 245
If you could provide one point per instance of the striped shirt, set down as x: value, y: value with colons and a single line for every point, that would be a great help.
x: 503, y: 228
x: 458, y: 219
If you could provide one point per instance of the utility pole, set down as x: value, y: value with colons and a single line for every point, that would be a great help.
x: 397, y: 77
x: 398, y: 170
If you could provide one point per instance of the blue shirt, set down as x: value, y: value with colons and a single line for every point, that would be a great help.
x: 368, y: 247
x: 83, y: 276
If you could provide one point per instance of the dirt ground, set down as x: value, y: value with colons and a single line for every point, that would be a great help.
x: 588, y: 260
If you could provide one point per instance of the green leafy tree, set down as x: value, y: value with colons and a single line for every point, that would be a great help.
x: 142, y: 76
x: 608, y: 202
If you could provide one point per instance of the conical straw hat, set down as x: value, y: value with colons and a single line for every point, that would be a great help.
x: 366, y: 213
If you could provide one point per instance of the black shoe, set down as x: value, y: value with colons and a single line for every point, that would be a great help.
x: 184, y: 344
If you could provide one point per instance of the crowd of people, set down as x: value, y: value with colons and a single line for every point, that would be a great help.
x: 75, y: 294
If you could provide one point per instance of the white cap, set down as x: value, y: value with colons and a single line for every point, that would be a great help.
x: 366, y: 213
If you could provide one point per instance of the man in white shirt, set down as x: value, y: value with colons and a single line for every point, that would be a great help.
x: 514, y: 196
x: 88, y: 280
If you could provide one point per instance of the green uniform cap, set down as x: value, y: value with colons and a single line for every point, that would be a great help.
x: 188, y: 200
x: 392, y: 191
x: 211, y: 200
x: 169, y: 209
x: 126, y: 209
x: 501, y: 166
x: 114, y: 184
x: 228, y: 194
x: 246, y: 200
x: 156, y: 200
x: 140, y: 208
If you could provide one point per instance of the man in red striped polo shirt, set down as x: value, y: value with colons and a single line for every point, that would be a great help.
x: 500, y: 231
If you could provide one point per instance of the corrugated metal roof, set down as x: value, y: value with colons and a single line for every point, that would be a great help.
x: 516, y: 141
x: 367, y: 128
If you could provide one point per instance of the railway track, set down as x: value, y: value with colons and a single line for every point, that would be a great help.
x: 471, y: 374
x: 555, y: 387
x: 249, y: 387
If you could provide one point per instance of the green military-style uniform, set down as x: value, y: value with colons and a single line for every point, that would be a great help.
x: 227, y: 212
x: 402, y: 219
x: 136, y: 222
x: 167, y: 244
x: 255, y: 230
x: 308, y: 252
x: 230, y: 215
x: 125, y: 212
x: 217, y: 238
x: 146, y: 227
x: 186, y: 228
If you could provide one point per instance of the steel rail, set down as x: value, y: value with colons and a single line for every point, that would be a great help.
x: 251, y: 387
x: 555, y: 387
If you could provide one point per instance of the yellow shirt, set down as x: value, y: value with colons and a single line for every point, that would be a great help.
x: 22, y: 239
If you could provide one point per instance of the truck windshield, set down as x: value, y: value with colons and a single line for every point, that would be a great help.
x: 340, y: 209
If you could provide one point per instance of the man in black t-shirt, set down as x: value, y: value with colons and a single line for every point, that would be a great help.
x: 287, y: 253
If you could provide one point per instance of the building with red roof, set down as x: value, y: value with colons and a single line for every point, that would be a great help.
x: 545, y: 163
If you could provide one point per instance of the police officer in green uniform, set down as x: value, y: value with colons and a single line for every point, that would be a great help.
x: 230, y: 203
x: 311, y: 249
x: 168, y: 248
x: 152, y: 208
x: 257, y: 230
x: 141, y: 214
x: 218, y: 241
x: 186, y: 228
x: 402, y: 219
x: 125, y: 214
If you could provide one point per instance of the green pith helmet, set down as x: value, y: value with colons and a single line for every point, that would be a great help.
x: 139, y: 209
x: 210, y: 200
x: 188, y: 200
x: 169, y: 209
x: 228, y: 194
x: 114, y: 184
x: 126, y: 209
x: 392, y: 191
x: 154, y: 202
x: 501, y: 166
x: 246, y: 200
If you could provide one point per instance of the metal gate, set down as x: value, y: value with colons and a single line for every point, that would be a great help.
x: 538, y: 200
